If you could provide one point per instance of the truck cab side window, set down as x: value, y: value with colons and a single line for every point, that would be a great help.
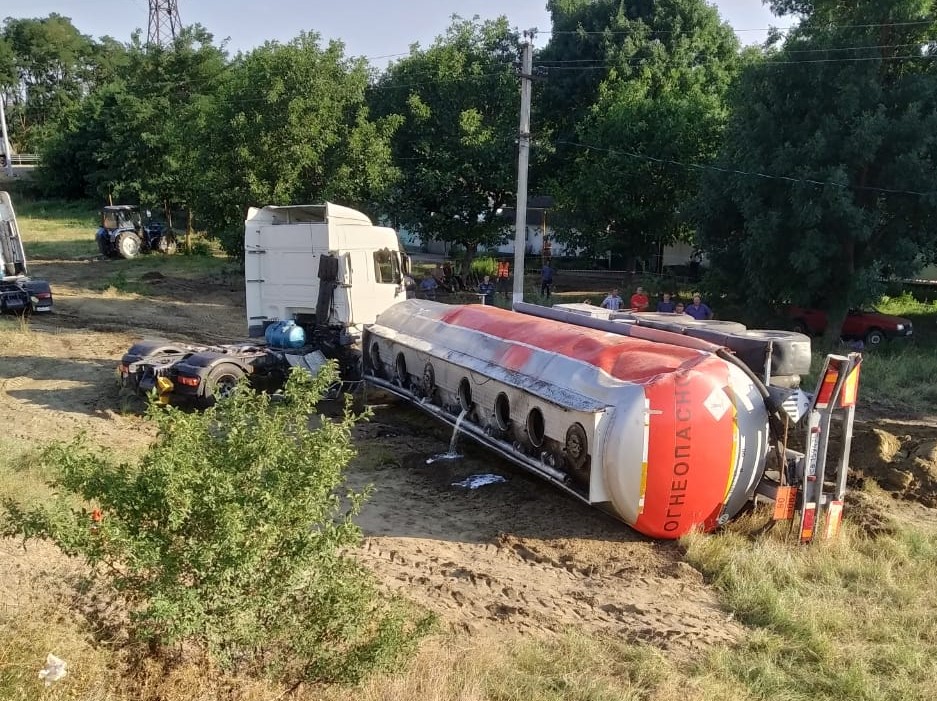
x: 386, y: 267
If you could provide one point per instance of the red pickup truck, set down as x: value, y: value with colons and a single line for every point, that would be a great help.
x: 868, y: 325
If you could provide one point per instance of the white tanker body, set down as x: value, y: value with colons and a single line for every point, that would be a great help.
x: 658, y: 429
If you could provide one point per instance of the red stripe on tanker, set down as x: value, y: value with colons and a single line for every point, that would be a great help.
x: 663, y: 422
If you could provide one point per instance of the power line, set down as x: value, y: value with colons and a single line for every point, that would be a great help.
x: 770, y: 61
x: 763, y: 29
x: 749, y: 173
x: 786, y: 50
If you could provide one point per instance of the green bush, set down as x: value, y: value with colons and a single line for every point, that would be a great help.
x: 230, y: 534
x: 199, y: 247
x: 485, y: 266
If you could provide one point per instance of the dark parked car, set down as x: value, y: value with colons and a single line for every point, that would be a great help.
x: 868, y: 325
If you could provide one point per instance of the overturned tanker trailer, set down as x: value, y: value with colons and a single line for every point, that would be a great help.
x: 665, y: 431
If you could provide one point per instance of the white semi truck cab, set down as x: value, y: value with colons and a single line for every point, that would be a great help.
x: 320, y: 265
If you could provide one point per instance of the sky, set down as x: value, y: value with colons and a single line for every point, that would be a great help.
x: 378, y: 29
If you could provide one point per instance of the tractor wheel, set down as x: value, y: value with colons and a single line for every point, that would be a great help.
x: 221, y: 382
x: 128, y: 245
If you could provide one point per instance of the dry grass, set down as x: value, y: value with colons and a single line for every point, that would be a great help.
x: 849, y: 619
x: 15, y: 333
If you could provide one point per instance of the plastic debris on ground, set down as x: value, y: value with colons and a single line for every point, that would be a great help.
x: 476, y: 481
x: 53, y: 671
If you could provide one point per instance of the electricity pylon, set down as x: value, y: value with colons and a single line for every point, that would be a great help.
x: 165, y: 24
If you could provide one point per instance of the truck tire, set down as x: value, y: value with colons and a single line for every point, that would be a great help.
x: 222, y: 380
x: 128, y: 245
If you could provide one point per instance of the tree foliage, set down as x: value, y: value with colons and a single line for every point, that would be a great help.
x: 833, y: 133
x: 457, y: 103
x: 45, y: 68
x: 287, y: 124
x: 130, y: 139
x: 639, y: 89
x: 230, y: 533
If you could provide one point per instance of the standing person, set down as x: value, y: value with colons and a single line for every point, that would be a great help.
x: 440, y: 277
x: 487, y: 287
x: 678, y: 308
x: 698, y: 310
x: 546, y: 280
x: 613, y: 302
x: 666, y: 304
x: 504, y: 274
x: 448, y: 276
x: 639, y: 300
x: 458, y: 275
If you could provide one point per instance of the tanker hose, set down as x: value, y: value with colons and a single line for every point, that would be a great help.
x: 775, y: 420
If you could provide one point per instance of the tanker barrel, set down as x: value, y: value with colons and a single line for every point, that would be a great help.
x: 622, y: 329
x: 656, y: 335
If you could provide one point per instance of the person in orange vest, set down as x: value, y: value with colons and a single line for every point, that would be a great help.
x: 504, y: 274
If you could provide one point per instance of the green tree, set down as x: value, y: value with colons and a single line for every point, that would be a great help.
x: 287, y: 124
x: 455, y: 148
x: 230, y: 533
x: 652, y: 97
x: 831, y: 137
x: 130, y: 138
x: 51, y: 62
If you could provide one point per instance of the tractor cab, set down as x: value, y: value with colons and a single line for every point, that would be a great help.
x: 122, y: 217
x: 125, y: 233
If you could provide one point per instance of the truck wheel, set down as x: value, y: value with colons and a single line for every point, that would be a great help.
x: 874, y: 338
x: 576, y: 451
x: 128, y: 245
x: 221, y: 382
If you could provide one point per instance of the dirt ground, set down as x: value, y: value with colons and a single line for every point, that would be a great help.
x: 514, y: 557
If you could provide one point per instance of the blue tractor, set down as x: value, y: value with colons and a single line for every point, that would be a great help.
x: 125, y: 234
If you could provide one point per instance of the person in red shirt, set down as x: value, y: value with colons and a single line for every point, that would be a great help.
x: 639, y: 300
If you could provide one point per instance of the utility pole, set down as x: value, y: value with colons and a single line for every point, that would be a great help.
x: 523, y: 158
x: 165, y: 24
x: 5, y: 140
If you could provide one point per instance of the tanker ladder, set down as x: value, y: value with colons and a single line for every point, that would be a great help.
x: 805, y: 486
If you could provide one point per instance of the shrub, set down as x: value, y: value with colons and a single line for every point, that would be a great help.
x: 229, y: 533
x: 199, y: 247
x: 485, y: 266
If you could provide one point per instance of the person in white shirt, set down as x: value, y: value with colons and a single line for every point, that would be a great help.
x: 613, y: 302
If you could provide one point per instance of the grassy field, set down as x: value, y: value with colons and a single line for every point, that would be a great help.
x: 852, y: 619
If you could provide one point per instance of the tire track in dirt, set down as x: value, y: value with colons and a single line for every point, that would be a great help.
x: 479, y: 586
x: 517, y: 556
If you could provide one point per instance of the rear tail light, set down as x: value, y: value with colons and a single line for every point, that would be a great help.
x: 44, y: 295
x: 187, y: 381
